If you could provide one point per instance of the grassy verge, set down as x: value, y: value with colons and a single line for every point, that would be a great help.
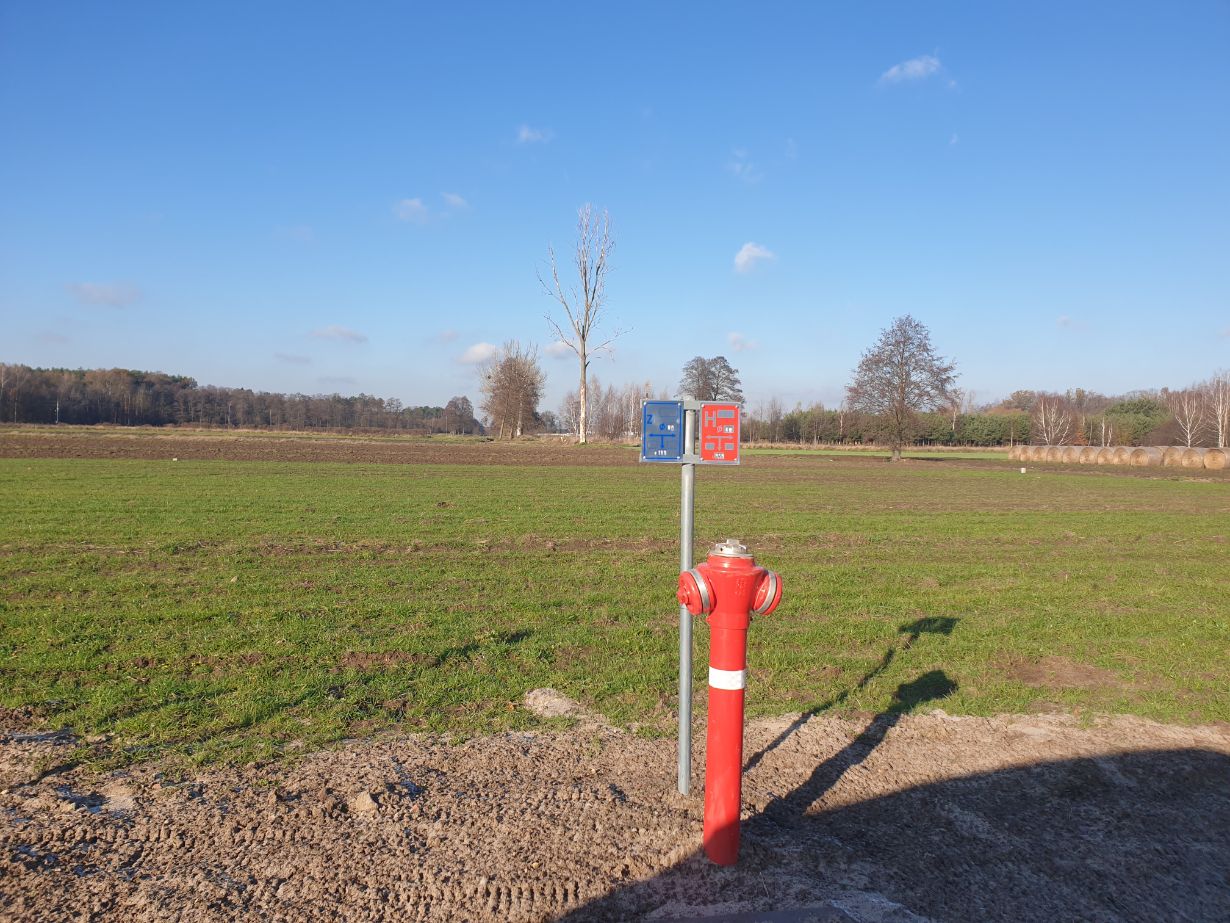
x: 232, y: 610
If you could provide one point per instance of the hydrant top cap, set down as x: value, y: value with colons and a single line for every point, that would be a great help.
x: 731, y: 548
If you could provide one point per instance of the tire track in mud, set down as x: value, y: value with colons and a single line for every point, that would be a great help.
x: 506, y: 831
x: 1014, y: 817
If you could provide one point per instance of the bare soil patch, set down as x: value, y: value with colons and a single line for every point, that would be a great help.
x: 1062, y: 673
x: 372, y: 660
x: 171, y: 445
x: 892, y: 818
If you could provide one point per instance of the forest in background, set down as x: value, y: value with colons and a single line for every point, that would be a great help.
x: 134, y: 398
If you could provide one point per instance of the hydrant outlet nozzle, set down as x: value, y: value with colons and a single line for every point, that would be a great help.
x: 695, y: 592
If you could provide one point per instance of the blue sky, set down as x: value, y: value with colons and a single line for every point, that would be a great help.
x: 355, y: 197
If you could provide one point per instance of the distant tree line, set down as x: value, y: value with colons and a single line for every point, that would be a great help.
x: 512, y: 385
x: 1075, y: 417
x: 133, y: 398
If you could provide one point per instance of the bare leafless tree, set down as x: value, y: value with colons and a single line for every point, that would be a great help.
x: 1189, y: 409
x: 512, y: 383
x: 1052, y: 420
x: 957, y: 400
x: 614, y: 413
x: 898, y: 377
x: 583, y: 304
x: 711, y: 380
x: 773, y: 416
x: 1217, y: 394
x: 1108, y: 432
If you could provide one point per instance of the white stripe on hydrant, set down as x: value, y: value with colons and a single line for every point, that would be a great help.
x: 727, y: 679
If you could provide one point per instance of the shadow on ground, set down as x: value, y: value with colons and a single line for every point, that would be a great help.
x: 1075, y: 839
x: 1083, y: 839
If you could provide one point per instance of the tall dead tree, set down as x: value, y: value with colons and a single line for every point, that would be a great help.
x: 583, y: 303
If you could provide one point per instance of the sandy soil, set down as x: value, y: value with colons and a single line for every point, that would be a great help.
x: 886, y: 819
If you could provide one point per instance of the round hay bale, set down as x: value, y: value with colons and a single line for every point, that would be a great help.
x: 1054, y: 453
x: 1089, y: 455
x: 1216, y: 459
x: 1193, y: 458
x: 1106, y: 455
x: 1172, y: 456
x: 1145, y: 456
x: 1121, y: 456
x: 1014, y: 453
x: 1036, y: 453
x: 1071, y: 454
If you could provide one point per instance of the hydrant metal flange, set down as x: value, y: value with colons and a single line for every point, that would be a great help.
x: 729, y: 587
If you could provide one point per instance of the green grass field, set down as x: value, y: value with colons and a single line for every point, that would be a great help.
x: 241, y: 610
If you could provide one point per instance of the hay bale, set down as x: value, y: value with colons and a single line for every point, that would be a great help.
x: 1145, y: 456
x: 1216, y: 459
x: 1089, y: 455
x: 1054, y: 453
x: 1121, y: 456
x: 1193, y: 458
x: 1172, y: 456
x: 1014, y: 453
x: 1035, y: 453
x: 1071, y: 454
x: 1106, y: 455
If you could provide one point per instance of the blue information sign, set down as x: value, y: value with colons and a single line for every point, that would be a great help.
x: 662, y: 431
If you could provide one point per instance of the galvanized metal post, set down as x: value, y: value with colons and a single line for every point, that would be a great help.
x: 686, y: 518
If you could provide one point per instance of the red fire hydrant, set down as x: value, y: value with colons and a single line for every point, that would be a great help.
x: 729, y: 587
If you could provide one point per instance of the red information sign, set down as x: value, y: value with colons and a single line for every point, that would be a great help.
x: 719, y: 434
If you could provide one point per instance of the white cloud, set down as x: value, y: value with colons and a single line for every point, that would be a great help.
x: 919, y: 68
x: 739, y: 343
x: 743, y: 168
x: 412, y: 210
x: 453, y: 200
x: 292, y: 359
x: 1224, y: 332
x: 527, y: 135
x: 558, y: 350
x: 446, y: 336
x: 340, y: 334
x: 113, y: 295
x: 478, y: 353
x: 750, y: 254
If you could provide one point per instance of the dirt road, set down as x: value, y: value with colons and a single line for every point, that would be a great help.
x: 894, y: 818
